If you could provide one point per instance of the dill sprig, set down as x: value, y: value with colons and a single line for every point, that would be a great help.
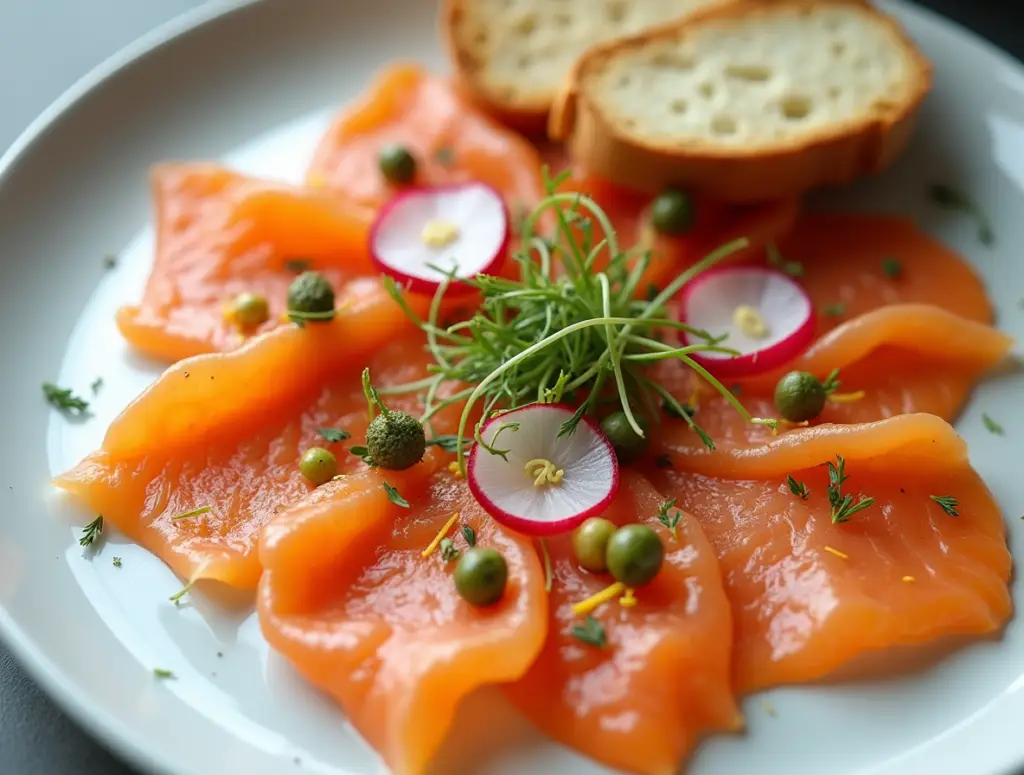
x: 91, y: 532
x: 566, y: 327
x: 843, y: 506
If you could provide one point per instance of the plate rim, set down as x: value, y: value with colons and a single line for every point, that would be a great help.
x: 101, y: 726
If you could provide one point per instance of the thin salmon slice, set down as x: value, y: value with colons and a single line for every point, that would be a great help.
x: 245, y: 468
x: 808, y: 595
x: 905, y: 358
x: 451, y: 140
x: 219, y: 234
x: 641, y: 703
x: 845, y: 257
x: 350, y: 600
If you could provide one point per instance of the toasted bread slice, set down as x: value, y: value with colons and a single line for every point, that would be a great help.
x: 513, y: 55
x: 747, y: 101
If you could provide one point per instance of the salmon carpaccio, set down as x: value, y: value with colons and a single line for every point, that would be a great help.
x: 664, y: 680
x: 218, y: 457
x: 808, y: 595
x: 348, y: 597
x: 218, y: 234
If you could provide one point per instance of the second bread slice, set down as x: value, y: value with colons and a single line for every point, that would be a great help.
x: 748, y: 101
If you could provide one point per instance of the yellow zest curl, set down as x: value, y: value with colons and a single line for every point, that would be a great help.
x: 837, y: 553
x: 846, y: 398
x: 628, y: 600
x: 607, y: 594
x: 544, y: 472
x: 440, y: 535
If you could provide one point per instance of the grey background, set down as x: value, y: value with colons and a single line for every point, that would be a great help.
x: 45, y: 45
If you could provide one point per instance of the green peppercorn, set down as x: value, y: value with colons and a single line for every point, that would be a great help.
x: 397, y: 165
x: 800, y: 396
x: 672, y: 212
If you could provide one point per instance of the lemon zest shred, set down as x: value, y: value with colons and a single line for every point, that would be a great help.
x: 455, y: 470
x: 544, y: 472
x: 836, y: 552
x: 628, y: 600
x: 908, y: 578
x: 847, y: 398
x: 788, y: 424
x: 750, y: 321
x: 584, y: 607
x: 440, y: 535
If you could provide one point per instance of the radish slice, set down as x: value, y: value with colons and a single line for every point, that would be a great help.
x: 769, y: 318
x: 581, y: 481
x: 464, y: 227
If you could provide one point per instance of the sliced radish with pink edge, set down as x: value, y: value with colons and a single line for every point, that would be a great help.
x: 769, y: 318
x: 583, y: 463
x: 462, y: 227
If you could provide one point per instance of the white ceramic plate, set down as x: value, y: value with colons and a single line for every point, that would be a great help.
x: 255, y: 85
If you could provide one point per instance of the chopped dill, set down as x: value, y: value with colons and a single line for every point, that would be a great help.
x: 469, y: 534
x: 64, y: 399
x: 892, y: 268
x: 668, y: 517
x: 91, y: 532
x: 446, y: 442
x: 563, y: 317
x: 159, y: 672
x: 117, y: 562
x: 992, y: 426
x: 96, y: 384
x: 947, y: 503
x: 843, y: 506
x: 799, y: 489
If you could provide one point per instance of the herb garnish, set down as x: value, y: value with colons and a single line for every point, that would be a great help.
x: 947, y: 503
x: 448, y: 550
x: 843, y: 506
x: 835, y: 310
x: 91, y: 532
x: 64, y: 399
x: 568, y: 319
x: 469, y: 534
x: 668, y: 518
x: 159, y: 672
x: 799, y: 489
x: 109, y: 261
x: 96, y: 385
x: 892, y: 268
x: 952, y: 199
x: 778, y: 261
x: 193, y: 513
x: 334, y: 435
x: 395, y: 496
x: 590, y: 632
x: 117, y: 562
x: 296, y: 265
x: 992, y: 426
x: 363, y: 453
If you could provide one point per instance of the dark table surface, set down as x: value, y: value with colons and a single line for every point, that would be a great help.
x: 36, y: 738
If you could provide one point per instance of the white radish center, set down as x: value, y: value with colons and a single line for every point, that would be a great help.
x: 471, y: 218
x: 756, y: 309
x: 585, y: 462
